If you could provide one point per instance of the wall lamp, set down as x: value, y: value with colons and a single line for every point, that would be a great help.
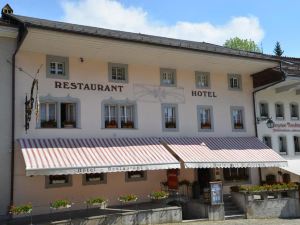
x: 269, y: 122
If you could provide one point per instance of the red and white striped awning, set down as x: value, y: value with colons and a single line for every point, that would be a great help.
x: 94, y: 155
x: 224, y: 152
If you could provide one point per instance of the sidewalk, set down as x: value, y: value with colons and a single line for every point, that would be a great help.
x: 244, y: 222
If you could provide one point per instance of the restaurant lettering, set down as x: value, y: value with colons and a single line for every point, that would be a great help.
x: 287, y: 127
x: 209, y: 94
x: 88, y: 86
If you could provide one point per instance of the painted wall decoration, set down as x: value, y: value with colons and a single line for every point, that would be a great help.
x: 153, y: 93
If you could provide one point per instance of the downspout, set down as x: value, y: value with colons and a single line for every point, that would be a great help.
x: 254, y: 107
x: 21, y: 36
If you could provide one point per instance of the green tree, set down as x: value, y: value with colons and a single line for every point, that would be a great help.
x: 242, y: 44
x: 277, y: 50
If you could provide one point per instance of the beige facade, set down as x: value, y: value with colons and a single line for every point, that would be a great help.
x: 88, y: 60
x: 7, y: 49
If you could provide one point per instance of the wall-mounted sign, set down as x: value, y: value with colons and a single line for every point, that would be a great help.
x: 216, y: 192
x: 287, y: 127
x: 88, y: 86
x: 209, y: 94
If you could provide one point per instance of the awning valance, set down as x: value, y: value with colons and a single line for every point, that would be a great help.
x: 224, y: 152
x: 94, y: 155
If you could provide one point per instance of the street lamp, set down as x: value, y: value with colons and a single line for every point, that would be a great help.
x: 270, y: 123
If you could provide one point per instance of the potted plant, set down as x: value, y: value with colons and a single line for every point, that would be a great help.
x: 69, y: 124
x: 205, y: 125
x: 60, y: 204
x: 49, y: 124
x: 128, y: 198
x: 98, y: 201
x: 158, y: 196
x: 170, y: 125
x: 21, y: 209
x: 238, y: 126
x: 112, y: 124
x: 128, y: 124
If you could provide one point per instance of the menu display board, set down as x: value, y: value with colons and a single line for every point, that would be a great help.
x: 216, y: 193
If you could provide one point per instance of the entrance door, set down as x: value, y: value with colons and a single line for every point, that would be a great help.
x: 204, y: 178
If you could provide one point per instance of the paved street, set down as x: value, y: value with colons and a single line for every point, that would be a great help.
x: 245, y: 222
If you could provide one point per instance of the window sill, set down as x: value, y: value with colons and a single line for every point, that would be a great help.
x: 205, y: 130
x: 294, y: 118
x: 279, y: 118
x: 297, y: 153
x: 282, y: 153
x: 56, y: 128
x: 234, y: 89
x: 119, y: 128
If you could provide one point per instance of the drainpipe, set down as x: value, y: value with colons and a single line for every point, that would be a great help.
x: 21, y: 36
x: 254, y: 106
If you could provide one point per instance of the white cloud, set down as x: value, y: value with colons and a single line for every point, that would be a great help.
x: 112, y: 14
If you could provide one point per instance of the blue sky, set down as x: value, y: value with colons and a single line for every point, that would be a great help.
x: 212, y: 21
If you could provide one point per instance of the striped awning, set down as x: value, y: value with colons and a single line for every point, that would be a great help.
x: 94, y: 155
x: 224, y: 152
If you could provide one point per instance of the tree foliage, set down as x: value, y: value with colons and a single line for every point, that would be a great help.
x: 277, y: 50
x: 242, y: 44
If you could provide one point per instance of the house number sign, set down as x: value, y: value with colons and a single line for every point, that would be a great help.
x: 209, y: 94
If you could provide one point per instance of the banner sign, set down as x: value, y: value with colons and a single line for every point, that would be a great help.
x: 287, y: 127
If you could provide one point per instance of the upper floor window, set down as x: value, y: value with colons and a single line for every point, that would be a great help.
x: 267, y: 141
x: 118, y: 115
x: 294, y: 109
x: 167, y: 77
x: 264, y: 110
x: 205, y: 118
x: 48, y: 115
x: 279, y: 111
x: 57, y: 67
x: 202, y: 79
x: 58, y: 112
x: 234, y: 82
x: 170, y: 117
x: 297, y: 144
x: 282, y: 144
x: 118, y: 72
x: 237, y: 118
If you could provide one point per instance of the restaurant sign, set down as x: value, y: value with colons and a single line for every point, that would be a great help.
x: 88, y: 86
x: 287, y: 127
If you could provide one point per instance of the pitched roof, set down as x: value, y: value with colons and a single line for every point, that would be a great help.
x: 134, y: 37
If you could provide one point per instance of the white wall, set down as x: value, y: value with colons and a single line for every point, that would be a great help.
x: 7, y: 48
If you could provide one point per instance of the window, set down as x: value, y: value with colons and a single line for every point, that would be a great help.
x: 202, y: 79
x: 297, y: 144
x: 205, y: 118
x: 236, y: 174
x: 57, y: 67
x: 119, y: 115
x: 135, y: 176
x: 294, y: 109
x: 282, y: 144
x: 234, y: 82
x: 264, y: 110
x: 118, y: 72
x: 267, y: 141
x: 94, y: 178
x: 279, y: 111
x: 68, y: 115
x: 169, y: 117
x: 167, y: 77
x: 286, y: 178
x: 237, y: 118
x: 59, y: 112
x: 48, y: 115
x: 58, y: 181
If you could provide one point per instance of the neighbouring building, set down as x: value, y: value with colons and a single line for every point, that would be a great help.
x: 277, y: 112
x: 115, y: 113
x: 8, y: 35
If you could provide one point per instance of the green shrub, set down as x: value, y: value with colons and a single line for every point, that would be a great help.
x: 21, y: 209
x: 159, y: 195
x: 60, y: 204
x: 128, y: 198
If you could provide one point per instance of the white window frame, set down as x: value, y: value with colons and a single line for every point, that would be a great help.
x: 266, y: 105
x: 175, y: 108
x: 165, y: 79
x: 117, y: 66
x: 232, y: 110
x: 199, y: 77
x: 238, y: 79
x: 294, y: 117
x: 282, y: 143
x: 47, y: 112
x: 57, y: 60
x: 279, y: 117
x: 201, y: 108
